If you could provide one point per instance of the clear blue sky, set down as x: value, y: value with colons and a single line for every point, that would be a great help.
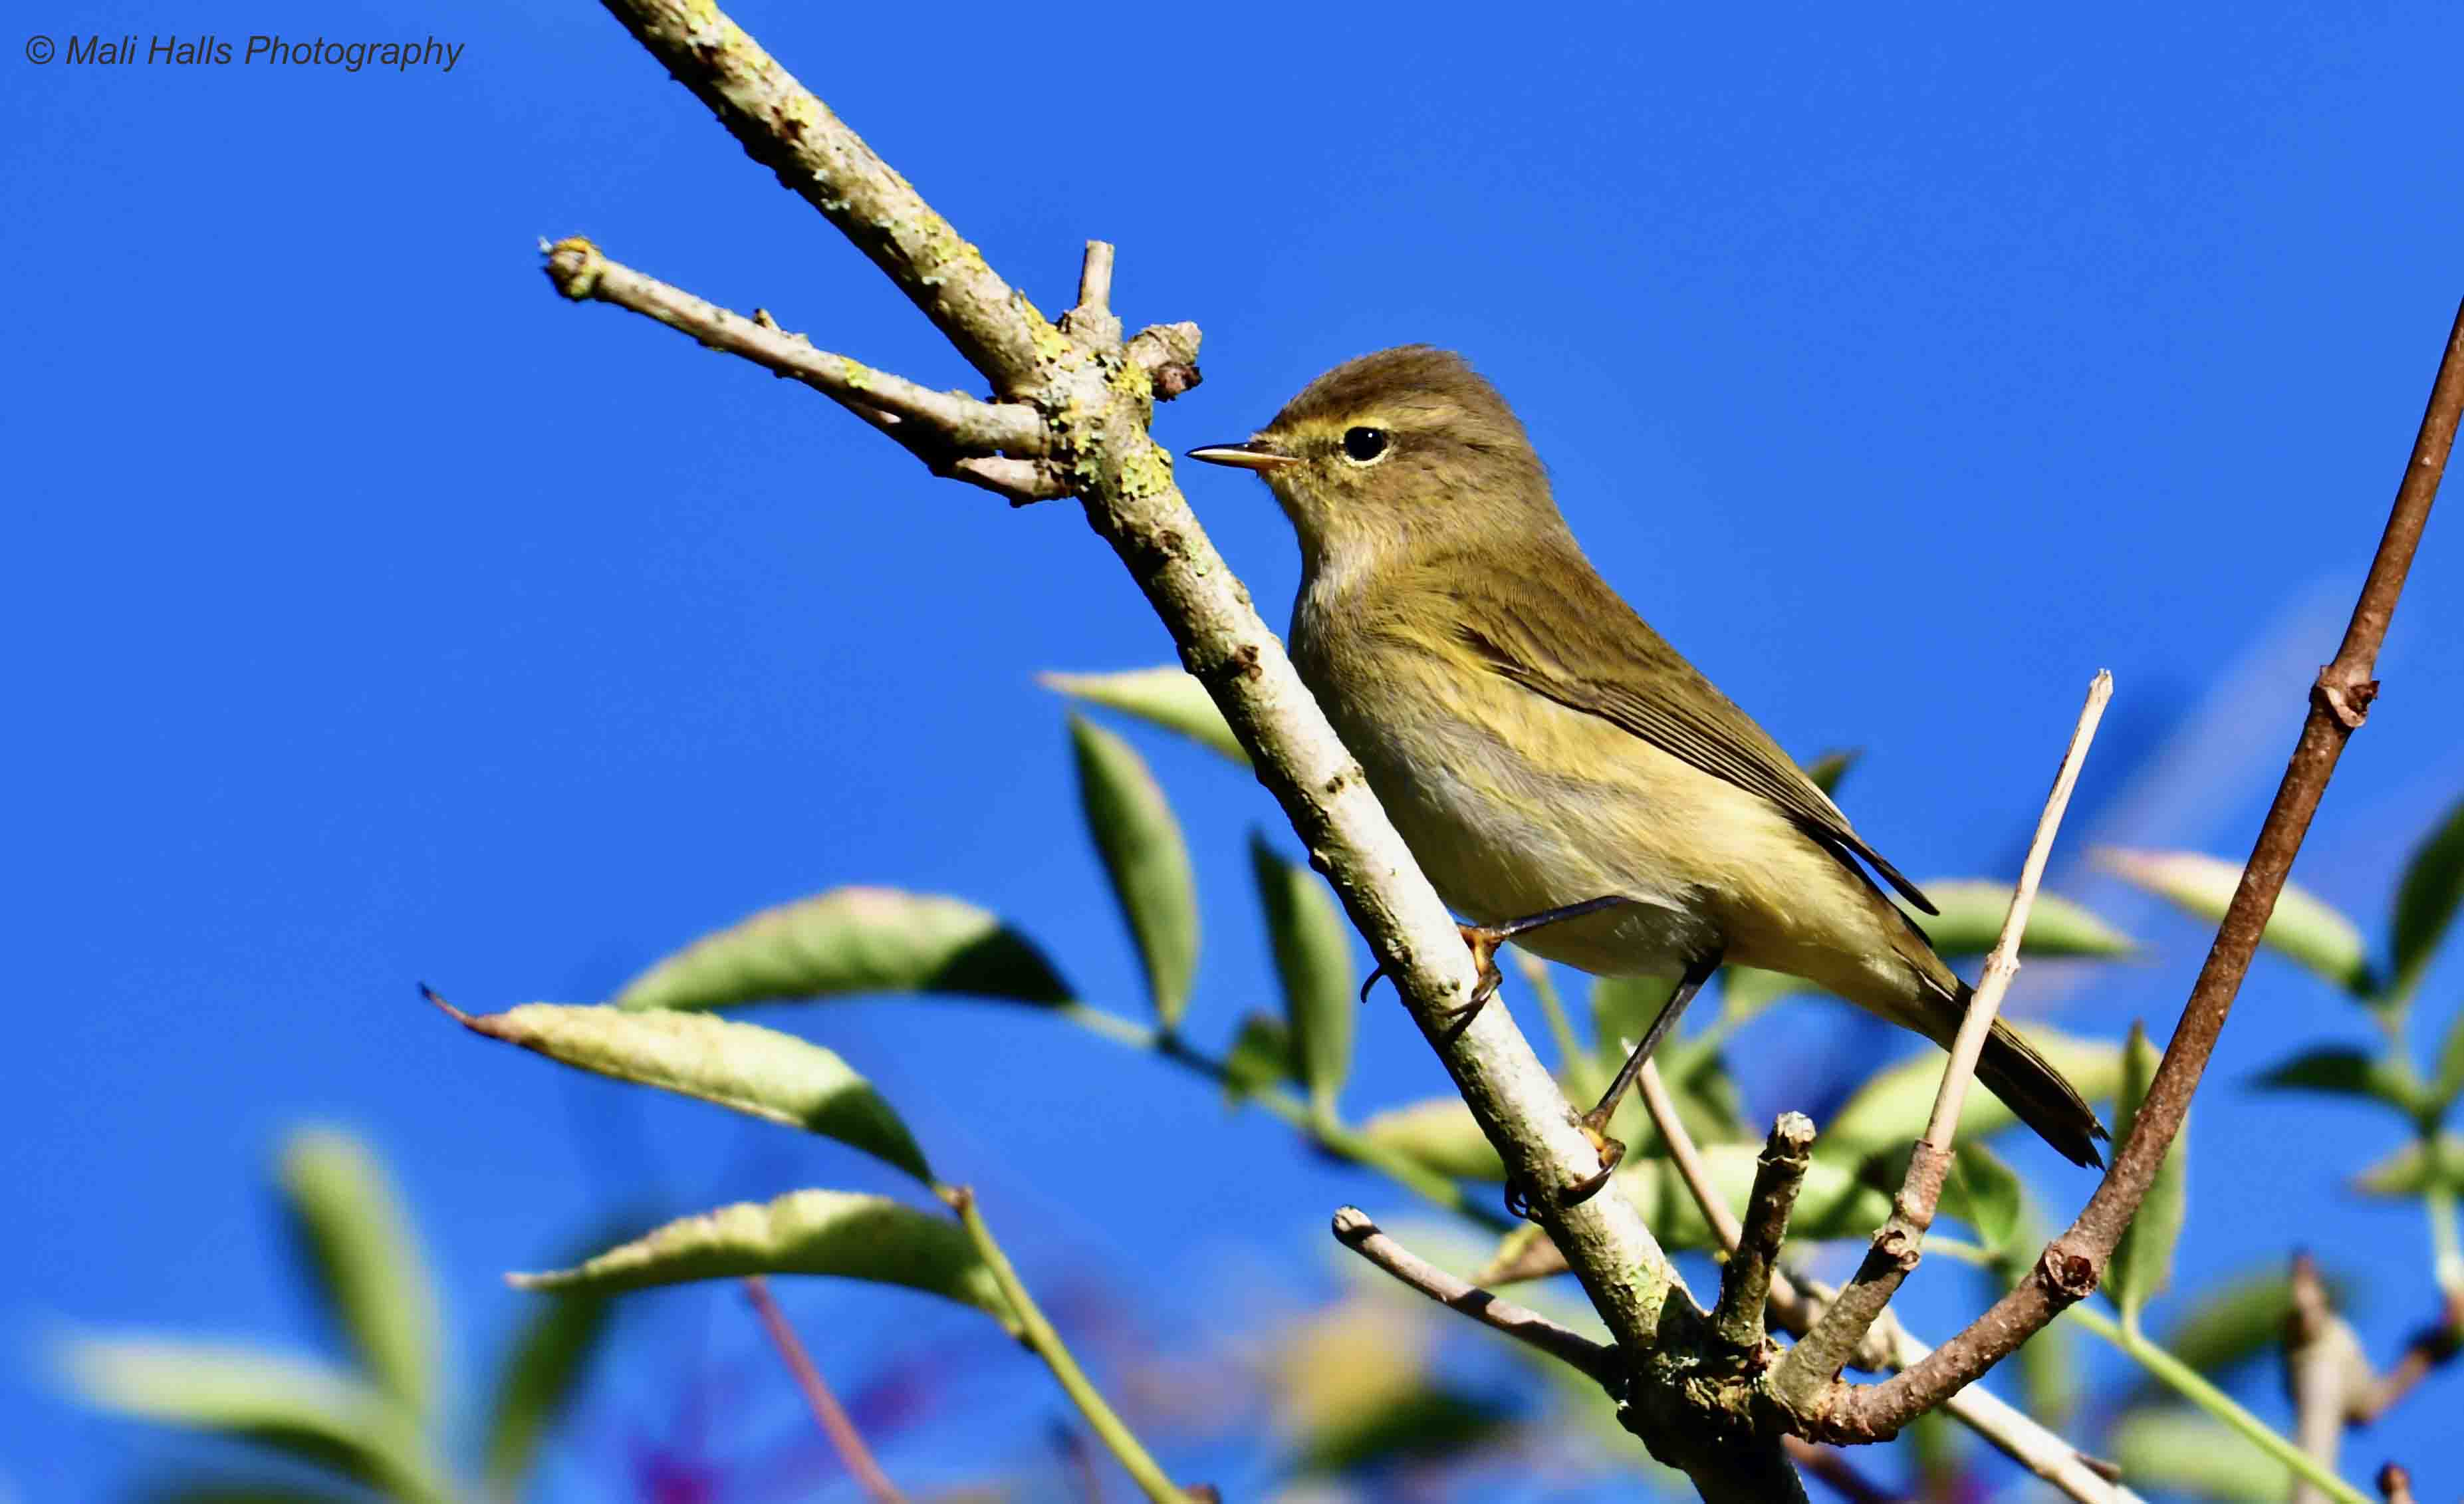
x: 374, y: 615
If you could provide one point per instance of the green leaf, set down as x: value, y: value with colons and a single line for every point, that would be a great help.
x: 2426, y: 899
x: 850, y: 940
x: 758, y: 1071
x: 1143, y: 855
x: 1747, y: 990
x: 1312, y: 949
x: 1889, y: 1111
x: 2416, y: 1168
x: 1832, y: 1204
x: 2341, y: 1071
x: 1427, y: 1423
x: 2303, y: 929
x: 1973, y: 909
x: 543, y: 1365
x: 1984, y: 1193
x: 1624, y: 1010
x: 2451, y: 1064
x: 2236, y: 1322
x: 218, y: 1491
x: 1694, y: 1070
x: 2184, y: 1451
x: 802, y: 1233
x: 365, y: 1260
x: 1828, y: 769
x: 297, y: 1408
x: 1439, y: 1133
x: 2142, y: 1262
x: 1165, y: 696
x: 1261, y: 1056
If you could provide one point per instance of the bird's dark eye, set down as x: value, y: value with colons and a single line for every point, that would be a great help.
x: 1364, y: 445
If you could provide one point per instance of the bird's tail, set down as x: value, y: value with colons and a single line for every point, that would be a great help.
x: 2029, y: 1086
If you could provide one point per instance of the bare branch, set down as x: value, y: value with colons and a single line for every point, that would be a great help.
x: 844, y: 1437
x: 2073, y: 1263
x: 1168, y: 353
x: 1354, y: 1229
x: 2395, y: 1485
x: 2327, y: 1373
x: 1811, y: 1365
x: 1745, y: 1283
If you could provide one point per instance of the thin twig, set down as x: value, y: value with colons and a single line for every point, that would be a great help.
x: 2072, y: 1264
x: 1037, y: 1332
x: 1753, y: 1257
x: 2395, y: 1485
x: 1354, y: 1229
x: 1814, y: 1364
x: 1797, y: 1305
x: 844, y: 1437
x: 1832, y: 1466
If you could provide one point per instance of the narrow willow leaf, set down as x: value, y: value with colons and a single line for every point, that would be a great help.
x: 1166, y: 696
x: 2426, y: 899
x: 2184, y: 1452
x: 1312, y: 949
x: 214, y: 1491
x: 2236, y: 1322
x: 1143, y: 855
x: 2416, y: 1168
x: 2341, y: 1071
x: 1439, y: 1133
x: 1622, y: 1010
x: 297, y: 1408
x: 850, y: 940
x: 1984, y: 1193
x: 1828, y: 769
x: 758, y: 1071
x: 2451, y: 1064
x: 365, y: 1260
x: 1261, y: 1056
x: 1973, y: 909
x: 1889, y: 1111
x: 1747, y: 990
x: 803, y: 1232
x: 1834, y: 1203
x: 2303, y: 929
x: 2142, y: 1262
x: 549, y: 1356
x: 1695, y: 1072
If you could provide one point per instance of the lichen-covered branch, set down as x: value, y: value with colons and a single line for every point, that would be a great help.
x: 1096, y: 397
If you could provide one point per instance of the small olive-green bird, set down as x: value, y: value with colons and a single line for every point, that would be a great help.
x: 1561, y: 774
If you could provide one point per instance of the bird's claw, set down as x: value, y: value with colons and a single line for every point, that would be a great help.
x: 1611, y: 1153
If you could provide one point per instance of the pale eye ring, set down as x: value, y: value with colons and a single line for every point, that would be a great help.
x: 1365, y: 446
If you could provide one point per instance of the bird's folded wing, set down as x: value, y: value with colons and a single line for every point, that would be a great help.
x: 1634, y: 679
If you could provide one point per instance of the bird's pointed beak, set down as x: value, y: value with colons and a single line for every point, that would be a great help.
x: 1255, y: 455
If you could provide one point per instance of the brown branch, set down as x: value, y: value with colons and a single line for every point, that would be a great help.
x: 1354, y: 1229
x: 954, y: 435
x: 2072, y: 1264
x: 844, y: 1437
x: 1753, y: 1259
x: 1803, y: 1378
x: 2395, y: 1485
x: 2328, y: 1375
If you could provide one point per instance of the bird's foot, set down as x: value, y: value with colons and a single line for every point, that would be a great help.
x: 1611, y: 1153
x: 1482, y: 941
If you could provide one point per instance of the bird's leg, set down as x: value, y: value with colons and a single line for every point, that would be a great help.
x: 1595, y: 1122
x: 1484, y: 941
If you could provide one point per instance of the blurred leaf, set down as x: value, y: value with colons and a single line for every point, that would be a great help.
x: 1439, y: 1133
x: 2340, y: 1070
x: 1423, y: 1423
x: 802, y: 1233
x: 1973, y: 909
x: 1143, y: 855
x: 2426, y: 899
x: 1353, y: 1389
x: 301, y: 1409
x: 1833, y: 1202
x: 1889, y: 1111
x: 1970, y: 921
x: 2302, y: 928
x: 1984, y: 1193
x: 2142, y: 1262
x: 1166, y: 696
x: 1624, y: 1008
x: 759, y: 1072
x: 543, y: 1365
x: 1828, y: 769
x: 2416, y: 1168
x: 365, y: 1260
x: 2184, y: 1451
x: 1694, y: 1070
x: 2450, y: 1063
x: 850, y: 940
x: 1312, y: 949
x: 2233, y: 1322
x: 217, y: 1491
x: 1261, y: 1056
x: 1747, y: 990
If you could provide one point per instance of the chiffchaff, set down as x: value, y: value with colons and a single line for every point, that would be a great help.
x: 1560, y: 773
